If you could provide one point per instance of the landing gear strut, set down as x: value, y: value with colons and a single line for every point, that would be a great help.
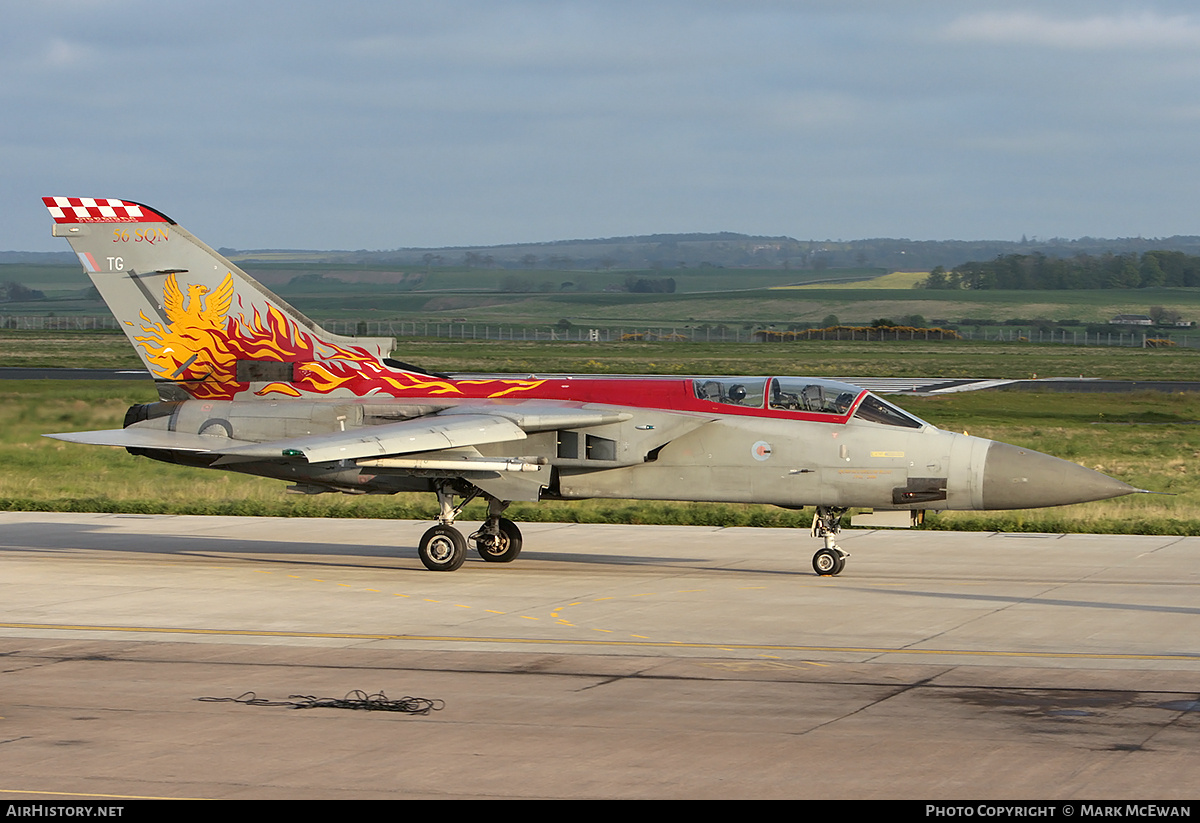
x: 499, y: 539
x: 827, y: 524
x: 443, y: 548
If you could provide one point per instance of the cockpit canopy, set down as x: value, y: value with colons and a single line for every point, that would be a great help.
x: 878, y: 410
x: 802, y: 394
x: 733, y: 391
x: 807, y: 394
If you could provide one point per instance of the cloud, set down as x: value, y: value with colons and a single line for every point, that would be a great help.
x: 63, y: 54
x: 1147, y: 30
x: 468, y: 121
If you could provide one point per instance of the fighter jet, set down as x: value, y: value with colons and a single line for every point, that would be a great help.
x: 249, y: 384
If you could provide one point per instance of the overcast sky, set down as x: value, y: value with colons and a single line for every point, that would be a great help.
x: 384, y: 123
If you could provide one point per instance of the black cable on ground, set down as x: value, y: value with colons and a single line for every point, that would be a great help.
x: 356, y: 699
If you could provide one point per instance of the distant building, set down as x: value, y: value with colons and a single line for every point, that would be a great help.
x: 1131, y: 320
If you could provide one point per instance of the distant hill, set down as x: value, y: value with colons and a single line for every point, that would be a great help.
x: 727, y: 250
x: 38, y: 258
x: 673, y: 251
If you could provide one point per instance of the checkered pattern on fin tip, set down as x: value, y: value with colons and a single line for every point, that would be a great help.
x: 99, y: 210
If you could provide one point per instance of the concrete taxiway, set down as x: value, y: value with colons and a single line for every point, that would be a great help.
x: 608, y: 661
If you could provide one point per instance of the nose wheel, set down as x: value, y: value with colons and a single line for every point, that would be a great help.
x: 829, y: 562
x: 827, y: 524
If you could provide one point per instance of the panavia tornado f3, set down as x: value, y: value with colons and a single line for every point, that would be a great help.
x: 249, y: 384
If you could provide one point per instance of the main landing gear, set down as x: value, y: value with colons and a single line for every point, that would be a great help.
x: 443, y: 548
x: 827, y: 524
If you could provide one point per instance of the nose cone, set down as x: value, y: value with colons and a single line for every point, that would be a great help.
x: 1016, y: 478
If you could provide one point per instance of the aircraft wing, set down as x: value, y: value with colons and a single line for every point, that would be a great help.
x: 472, y: 425
x: 451, y: 428
x: 404, y: 437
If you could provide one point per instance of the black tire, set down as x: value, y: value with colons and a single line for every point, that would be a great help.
x: 828, y: 562
x: 442, y: 549
x: 506, y: 548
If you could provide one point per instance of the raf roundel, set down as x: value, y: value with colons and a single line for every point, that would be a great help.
x: 761, y: 450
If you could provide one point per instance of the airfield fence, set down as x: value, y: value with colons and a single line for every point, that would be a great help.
x: 724, y: 334
x: 672, y: 334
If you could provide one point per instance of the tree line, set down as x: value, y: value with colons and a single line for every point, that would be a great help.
x: 1152, y: 269
x: 13, y: 292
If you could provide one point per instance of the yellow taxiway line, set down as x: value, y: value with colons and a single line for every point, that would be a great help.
x: 597, y: 642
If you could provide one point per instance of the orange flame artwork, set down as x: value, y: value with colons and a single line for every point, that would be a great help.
x: 201, y: 344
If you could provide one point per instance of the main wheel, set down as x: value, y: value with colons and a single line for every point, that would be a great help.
x: 503, y: 548
x: 442, y: 549
x: 828, y: 562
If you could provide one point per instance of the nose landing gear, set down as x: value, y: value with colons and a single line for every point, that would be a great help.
x: 827, y: 524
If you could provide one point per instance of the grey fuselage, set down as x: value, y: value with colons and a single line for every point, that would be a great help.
x: 655, y: 454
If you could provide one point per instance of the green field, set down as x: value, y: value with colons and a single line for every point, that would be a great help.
x: 818, y: 358
x: 1151, y: 440
x: 751, y: 309
x: 318, y: 278
x: 737, y: 298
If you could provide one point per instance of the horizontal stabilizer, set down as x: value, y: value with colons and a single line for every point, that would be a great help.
x: 136, y: 438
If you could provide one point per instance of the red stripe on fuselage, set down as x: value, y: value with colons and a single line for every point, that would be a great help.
x: 666, y: 394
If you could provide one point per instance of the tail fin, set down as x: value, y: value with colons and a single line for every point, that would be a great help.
x: 201, y: 325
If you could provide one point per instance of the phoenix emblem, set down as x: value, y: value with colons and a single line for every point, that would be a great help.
x: 195, y: 341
